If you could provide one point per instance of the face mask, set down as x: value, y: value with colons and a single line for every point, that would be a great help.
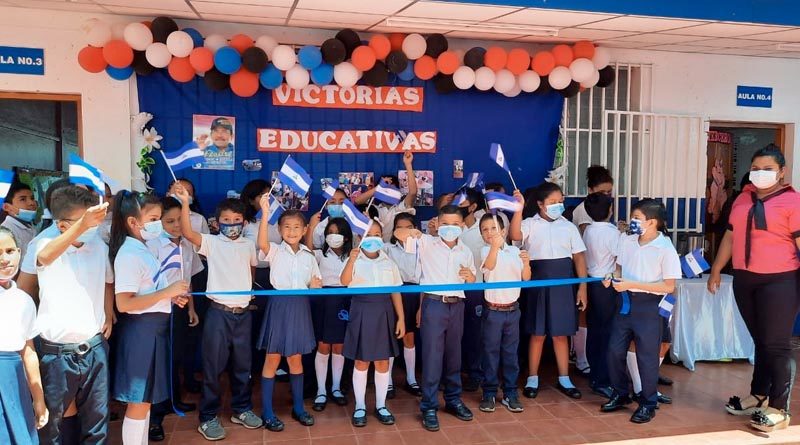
x: 763, y: 179
x: 26, y: 215
x: 151, y: 230
x: 554, y: 211
x: 335, y: 211
x: 635, y: 227
x: 449, y: 233
x: 232, y: 231
x: 88, y: 235
x: 464, y: 211
x: 372, y: 244
x: 334, y: 240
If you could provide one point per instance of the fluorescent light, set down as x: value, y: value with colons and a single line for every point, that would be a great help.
x: 455, y: 25
x: 788, y: 46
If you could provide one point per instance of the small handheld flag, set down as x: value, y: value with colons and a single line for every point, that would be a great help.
x: 358, y: 221
x: 666, y: 305
x: 461, y: 197
x: 500, y: 201
x: 474, y: 180
x: 81, y: 172
x: 388, y: 193
x: 693, y: 263
x: 496, y: 153
x: 187, y: 156
x: 172, y: 261
x: 293, y: 175
x: 275, y: 211
x: 6, y: 178
x: 328, y: 190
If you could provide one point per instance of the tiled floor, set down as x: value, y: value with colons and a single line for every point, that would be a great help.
x: 697, y: 416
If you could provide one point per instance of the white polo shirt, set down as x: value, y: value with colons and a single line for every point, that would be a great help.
x: 440, y: 264
x: 291, y: 270
x: 162, y: 247
x: 550, y: 240
x: 471, y: 237
x: 23, y: 233
x: 508, y: 268
x: 318, y: 238
x: 653, y: 262
x: 198, y: 222
x: 229, y: 262
x: 28, y: 264
x: 135, y: 268
x: 602, y: 241
x: 408, y: 263
x: 386, y: 214
x: 250, y: 232
x: 580, y: 217
x: 72, y: 291
x: 17, y: 317
x: 330, y: 267
x: 370, y: 272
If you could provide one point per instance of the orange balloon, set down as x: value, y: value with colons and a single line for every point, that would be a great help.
x: 244, y: 83
x: 396, y: 40
x: 241, y: 42
x: 381, y: 45
x: 518, y: 61
x: 363, y: 58
x: 91, y: 59
x: 448, y: 62
x: 202, y: 59
x: 543, y: 62
x: 180, y: 69
x: 495, y: 58
x: 118, y: 53
x: 583, y: 49
x: 425, y: 67
x: 563, y: 55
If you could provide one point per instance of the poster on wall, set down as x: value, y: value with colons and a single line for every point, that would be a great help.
x: 215, y: 135
x: 356, y: 183
x: 424, y: 180
x: 286, y: 196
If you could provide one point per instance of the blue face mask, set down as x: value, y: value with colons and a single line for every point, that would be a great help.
x: 231, y: 231
x: 26, y: 215
x: 554, y: 211
x: 449, y: 233
x: 372, y: 244
x: 335, y: 211
x: 635, y: 227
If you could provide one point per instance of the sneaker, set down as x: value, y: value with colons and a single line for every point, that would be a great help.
x: 212, y: 430
x: 512, y: 404
x: 487, y: 404
x: 247, y: 419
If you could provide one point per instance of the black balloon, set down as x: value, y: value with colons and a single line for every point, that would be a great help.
x: 333, y: 51
x: 396, y: 61
x: 544, y: 86
x: 254, y: 59
x: 444, y: 83
x: 215, y: 80
x: 607, y: 75
x: 140, y: 64
x: 571, y: 90
x: 350, y: 39
x: 162, y: 27
x: 376, y: 76
x: 474, y: 57
x: 436, y: 44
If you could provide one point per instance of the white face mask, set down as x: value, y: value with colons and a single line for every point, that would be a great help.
x: 334, y: 240
x: 763, y: 179
x: 151, y: 230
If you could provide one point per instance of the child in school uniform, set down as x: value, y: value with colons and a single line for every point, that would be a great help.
x: 141, y: 377
x: 317, y: 224
x: 22, y: 406
x: 443, y: 259
x: 328, y: 313
x: 647, y: 267
x: 287, y: 330
x: 20, y: 208
x: 387, y: 212
x: 198, y: 221
x: 556, y: 251
x: 500, y: 331
x: 228, y: 321
x: 408, y: 263
x: 376, y: 322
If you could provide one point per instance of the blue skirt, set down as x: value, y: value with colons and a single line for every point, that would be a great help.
x: 329, y: 314
x: 370, y: 332
x: 287, y: 328
x: 142, y: 355
x: 17, y: 423
x: 551, y: 310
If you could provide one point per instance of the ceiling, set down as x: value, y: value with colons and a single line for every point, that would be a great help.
x: 462, y: 20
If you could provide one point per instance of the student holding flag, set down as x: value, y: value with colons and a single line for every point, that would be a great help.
x: 391, y: 199
x: 335, y: 198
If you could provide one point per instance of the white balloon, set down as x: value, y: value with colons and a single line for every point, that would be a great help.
x: 98, y: 32
x: 180, y: 44
x: 138, y: 36
x: 602, y: 57
x: 297, y: 77
x: 158, y: 55
x: 345, y: 74
x: 414, y: 46
x: 514, y: 92
x: 118, y: 30
x: 267, y: 43
x: 592, y: 81
x: 504, y: 81
x: 215, y: 42
x: 529, y: 81
x: 581, y: 70
x: 283, y: 57
x: 560, y: 77
x: 464, y: 78
x: 484, y: 78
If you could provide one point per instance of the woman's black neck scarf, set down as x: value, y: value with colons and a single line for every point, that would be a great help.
x: 758, y: 216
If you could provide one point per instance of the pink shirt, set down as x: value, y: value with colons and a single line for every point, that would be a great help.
x: 773, y: 250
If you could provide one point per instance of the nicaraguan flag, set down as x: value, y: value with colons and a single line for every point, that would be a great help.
x: 496, y: 153
x: 474, y: 180
x: 81, y: 172
x: 172, y: 261
x: 500, y: 201
x: 461, y: 197
x: 693, y: 263
x: 275, y: 211
x: 6, y: 178
x: 293, y: 175
x: 388, y: 193
x: 328, y: 190
x: 358, y: 221
x: 666, y: 305
x: 190, y: 155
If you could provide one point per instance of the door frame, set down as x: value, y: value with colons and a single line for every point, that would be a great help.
x: 784, y: 139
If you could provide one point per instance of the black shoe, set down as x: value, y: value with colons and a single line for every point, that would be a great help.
x: 320, y: 402
x: 156, y: 432
x: 193, y: 387
x: 387, y: 419
x: 390, y: 394
x: 573, y: 392
x: 430, y: 421
x: 359, y: 421
x: 184, y: 407
x: 616, y: 402
x: 530, y: 392
x: 414, y: 389
x: 339, y: 398
x: 470, y: 385
x: 487, y: 404
x: 605, y: 391
x: 665, y: 399
x: 643, y: 415
x: 304, y: 418
x: 664, y: 380
x: 274, y: 424
x: 460, y: 411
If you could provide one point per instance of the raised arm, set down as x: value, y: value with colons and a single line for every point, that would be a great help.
x: 347, y: 273
x: 55, y: 248
x: 411, y: 197
x: 263, y: 227
x: 313, y: 222
x: 186, y: 224
x: 494, y: 248
x: 364, y: 197
x: 515, y: 229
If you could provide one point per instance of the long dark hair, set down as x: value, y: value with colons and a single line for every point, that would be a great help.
x: 653, y: 209
x: 403, y: 217
x: 250, y: 191
x: 126, y: 204
x: 345, y: 231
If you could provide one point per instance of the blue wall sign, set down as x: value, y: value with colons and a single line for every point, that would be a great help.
x: 17, y: 60
x: 760, y: 97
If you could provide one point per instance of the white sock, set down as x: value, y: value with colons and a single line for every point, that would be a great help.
x: 579, y: 341
x: 410, y: 356
x: 360, y: 388
x: 633, y: 371
x: 532, y: 382
x: 391, y: 367
x: 565, y: 381
x: 146, y: 435
x: 337, y: 365
x: 321, y: 368
x: 381, y: 388
x: 133, y: 431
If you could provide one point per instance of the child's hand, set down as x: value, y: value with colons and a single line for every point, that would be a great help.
x: 400, y: 327
x: 466, y: 274
x: 354, y: 253
x: 433, y: 226
x: 620, y: 285
x: 518, y: 195
x: 180, y: 301
x: 194, y: 319
x: 41, y: 413
x: 107, y: 326
x: 93, y: 216
x: 316, y: 283
x: 408, y: 158
x: 182, y: 193
x: 264, y: 204
x: 314, y: 220
x: 448, y: 199
x: 177, y: 289
x: 498, y: 241
x: 581, y: 299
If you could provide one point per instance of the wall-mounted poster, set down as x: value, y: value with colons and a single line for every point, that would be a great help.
x: 458, y: 168
x: 215, y: 136
x: 356, y: 183
x: 424, y: 180
x: 287, y: 197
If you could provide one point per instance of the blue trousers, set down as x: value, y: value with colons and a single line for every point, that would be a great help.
x: 226, y: 346
x: 471, y: 341
x: 441, y: 328
x: 500, y: 335
x: 599, y: 319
